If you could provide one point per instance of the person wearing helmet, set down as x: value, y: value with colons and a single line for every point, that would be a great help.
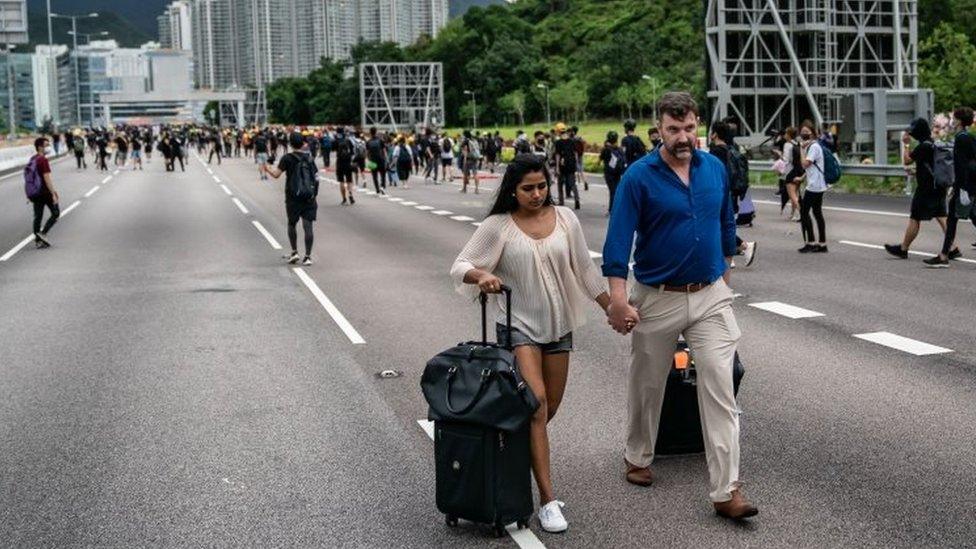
x: 612, y: 159
x: 631, y: 144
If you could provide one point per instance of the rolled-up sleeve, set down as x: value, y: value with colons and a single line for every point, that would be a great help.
x: 728, y: 219
x: 620, y: 232
x: 584, y: 269
x: 481, y: 252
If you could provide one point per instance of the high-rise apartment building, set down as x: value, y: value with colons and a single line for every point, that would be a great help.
x: 175, y: 26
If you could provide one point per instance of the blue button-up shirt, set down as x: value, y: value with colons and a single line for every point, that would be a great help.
x: 684, y: 232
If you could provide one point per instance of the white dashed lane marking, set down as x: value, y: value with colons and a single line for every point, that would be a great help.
x: 462, y: 218
x: 330, y: 308
x: 910, y: 252
x: 106, y: 180
x: 424, y: 208
x: 240, y: 206
x: 92, y: 191
x: 442, y: 212
x: 408, y: 203
x: 782, y: 309
x: 226, y: 190
x: 267, y: 236
x: 894, y: 341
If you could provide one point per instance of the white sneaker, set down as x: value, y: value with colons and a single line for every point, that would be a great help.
x: 551, y: 517
x: 749, y: 253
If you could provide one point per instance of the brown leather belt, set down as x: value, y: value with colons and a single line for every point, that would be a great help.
x: 683, y: 288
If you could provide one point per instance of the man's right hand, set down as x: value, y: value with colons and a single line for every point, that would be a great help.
x: 622, y: 317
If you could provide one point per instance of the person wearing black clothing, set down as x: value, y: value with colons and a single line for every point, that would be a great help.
x: 612, y: 159
x: 344, y: 156
x: 631, y: 144
x: 719, y: 148
x: 215, y: 146
x: 928, y: 201
x: 376, y: 153
x: 47, y: 197
x: 176, y: 146
x: 307, y: 210
x: 963, y: 187
x: 102, y: 145
x: 433, y: 155
x: 566, y: 166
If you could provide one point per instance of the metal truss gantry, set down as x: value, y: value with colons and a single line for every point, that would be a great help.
x: 252, y: 110
x: 401, y: 96
x: 774, y: 63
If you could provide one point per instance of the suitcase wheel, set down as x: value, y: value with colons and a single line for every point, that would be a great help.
x: 451, y: 521
x: 498, y: 530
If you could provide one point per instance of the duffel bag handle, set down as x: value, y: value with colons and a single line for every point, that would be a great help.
x: 483, y: 297
x: 485, y: 374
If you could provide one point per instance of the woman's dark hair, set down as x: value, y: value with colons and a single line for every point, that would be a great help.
x: 964, y: 115
x: 521, y: 165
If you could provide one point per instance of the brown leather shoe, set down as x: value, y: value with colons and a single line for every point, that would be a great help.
x: 737, y: 508
x: 641, y: 476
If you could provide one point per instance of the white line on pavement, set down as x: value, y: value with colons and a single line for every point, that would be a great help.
x: 840, y: 209
x: 92, y: 191
x: 915, y: 347
x: 226, y: 190
x: 524, y: 538
x: 408, y: 203
x: 216, y: 179
x: 208, y: 169
x: 395, y: 199
x: 782, y: 309
x: 462, y: 218
x: 106, y: 180
x: 910, y: 252
x: 267, y: 236
x: 424, y: 208
x: 16, y: 248
x: 334, y: 312
x: 73, y: 205
x: 477, y: 223
x: 116, y: 172
x: 240, y: 206
x: 442, y: 212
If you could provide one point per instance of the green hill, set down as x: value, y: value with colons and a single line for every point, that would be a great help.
x: 118, y: 28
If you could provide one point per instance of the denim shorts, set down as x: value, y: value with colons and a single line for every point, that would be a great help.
x: 563, y: 345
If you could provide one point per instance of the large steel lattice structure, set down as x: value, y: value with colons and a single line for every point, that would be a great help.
x: 400, y: 96
x: 774, y: 63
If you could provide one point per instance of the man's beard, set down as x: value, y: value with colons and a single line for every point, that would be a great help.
x: 679, y: 147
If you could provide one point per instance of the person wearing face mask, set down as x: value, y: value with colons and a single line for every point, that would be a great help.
x: 963, y: 186
x: 811, y: 203
x: 928, y: 200
x: 539, y: 251
x: 678, y: 202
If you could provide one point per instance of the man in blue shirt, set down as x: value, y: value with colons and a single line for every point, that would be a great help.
x: 677, y: 201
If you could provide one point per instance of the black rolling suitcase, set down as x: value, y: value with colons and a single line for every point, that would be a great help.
x: 481, y: 408
x: 679, y: 431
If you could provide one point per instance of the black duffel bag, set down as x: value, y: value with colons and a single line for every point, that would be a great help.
x: 478, y: 382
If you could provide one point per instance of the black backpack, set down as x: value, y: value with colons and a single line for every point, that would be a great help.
x: 304, y: 183
x: 738, y: 168
x: 344, y: 149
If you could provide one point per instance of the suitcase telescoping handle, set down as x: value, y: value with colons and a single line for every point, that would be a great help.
x: 483, y: 297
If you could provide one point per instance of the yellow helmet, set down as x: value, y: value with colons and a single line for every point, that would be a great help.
x: 560, y: 127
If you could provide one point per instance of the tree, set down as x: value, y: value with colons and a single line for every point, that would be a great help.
x: 514, y: 102
x: 646, y: 93
x: 946, y: 61
x: 570, y: 97
x: 623, y: 97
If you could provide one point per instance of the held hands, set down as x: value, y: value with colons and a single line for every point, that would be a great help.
x: 622, y: 317
x: 490, y: 284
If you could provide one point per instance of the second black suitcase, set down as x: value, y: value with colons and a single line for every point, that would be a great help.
x: 679, y: 431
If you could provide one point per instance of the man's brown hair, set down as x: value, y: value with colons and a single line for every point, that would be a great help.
x: 676, y: 105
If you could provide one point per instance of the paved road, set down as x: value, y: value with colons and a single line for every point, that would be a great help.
x: 167, y: 380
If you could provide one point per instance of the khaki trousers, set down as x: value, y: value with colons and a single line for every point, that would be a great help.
x: 705, y: 319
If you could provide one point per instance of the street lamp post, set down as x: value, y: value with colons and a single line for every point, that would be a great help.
x: 74, y: 37
x: 474, y: 109
x: 548, y: 116
x: 654, y: 85
x: 88, y: 35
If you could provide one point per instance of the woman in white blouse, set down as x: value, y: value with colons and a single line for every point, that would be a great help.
x: 538, y: 250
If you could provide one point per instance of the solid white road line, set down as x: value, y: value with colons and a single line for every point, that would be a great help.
x: 441, y: 212
x: 424, y: 208
x: 216, y: 179
x: 17, y: 248
x: 267, y: 236
x: 462, y: 218
x: 910, y: 252
x: 92, y: 191
x: 782, y: 309
x: 524, y: 538
x: 226, y: 190
x: 106, y: 180
x: 915, y: 347
x: 240, y: 206
x: 337, y: 316
x: 841, y: 209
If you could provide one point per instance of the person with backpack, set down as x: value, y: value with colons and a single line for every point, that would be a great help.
x: 402, y: 160
x: 811, y: 203
x: 40, y: 191
x: 963, y: 186
x: 433, y: 155
x: 344, y: 159
x: 376, y: 160
x: 470, y: 157
x: 612, y: 158
x: 78, y: 146
x: 631, y: 144
x: 792, y: 169
x: 538, y: 250
x: 261, y: 153
x: 929, y: 198
x: 301, y: 188
x: 738, y: 178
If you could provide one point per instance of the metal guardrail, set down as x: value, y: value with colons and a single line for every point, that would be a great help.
x: 875, y: 170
